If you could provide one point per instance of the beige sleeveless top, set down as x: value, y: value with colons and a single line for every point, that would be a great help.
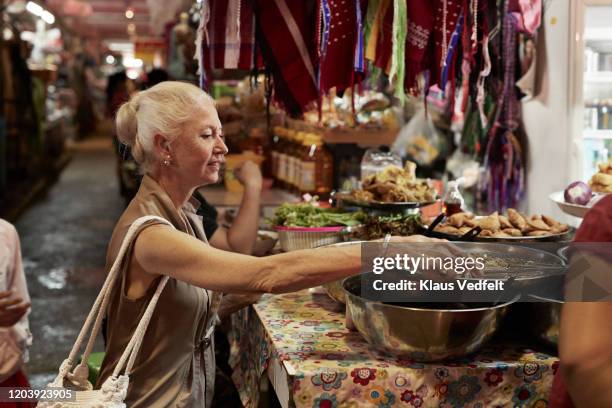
x: 175, y: 366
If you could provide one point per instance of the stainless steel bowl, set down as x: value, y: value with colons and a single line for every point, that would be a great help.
x: 421, y: 334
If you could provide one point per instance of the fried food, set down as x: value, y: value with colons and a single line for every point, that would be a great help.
x: 490, y: 223
x: 504, y: 222
x: 538, y: 233
x: 502, y: 226
x: 513, y: 232
x: 459, y: 219
x: 395, y: 185
x: 447, y: 229
x: 551, y: 222
x: 601, y: 182
x: 362, y: 195
x: 516, y: 219
x: 559, y: 228
x: 537, y: 224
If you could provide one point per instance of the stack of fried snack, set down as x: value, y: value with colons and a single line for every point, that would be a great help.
x: 514, y: 224
x: 394, y: 185
x: 601, y: 182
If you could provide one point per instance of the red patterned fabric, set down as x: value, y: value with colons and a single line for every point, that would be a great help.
x: 337, y: 68
x: 418, y: 38
x: 288, y: 45
x: 217, y: 47
x: 453, y: 13
x: 17, y: 380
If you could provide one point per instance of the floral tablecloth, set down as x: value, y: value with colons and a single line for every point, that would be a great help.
x: 332, y: 367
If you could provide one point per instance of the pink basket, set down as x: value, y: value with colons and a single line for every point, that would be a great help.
x: 295, y: 238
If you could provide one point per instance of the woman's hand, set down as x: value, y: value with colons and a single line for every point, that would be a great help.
x: 12, y: 309
x: 249, y: 175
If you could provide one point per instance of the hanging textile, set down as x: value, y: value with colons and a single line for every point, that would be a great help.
x: 384, y: 41
x: 288, y: 45
x: 226, y: 36
x: 397, y: 72
x: 505, y: 184
x: 420, y: 28
x: 339, y: 49
x: 528, y: 15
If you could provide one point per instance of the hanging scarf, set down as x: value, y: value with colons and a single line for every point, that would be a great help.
x: 447, y: 14
x: 337, y: 65
x: 506, y: 180
x: 384, y: 39
x: 528, y: 15
x: 376, y: 12
x: 289, y: 49
x: 396, y: 74
x: 418, y: 37
x: 226, y: 37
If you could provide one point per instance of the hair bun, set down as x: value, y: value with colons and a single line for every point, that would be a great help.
x: 127, y: 123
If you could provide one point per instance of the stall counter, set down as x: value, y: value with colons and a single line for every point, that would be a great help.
x: 300, y: 341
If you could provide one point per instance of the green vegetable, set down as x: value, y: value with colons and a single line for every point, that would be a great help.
x: 308, y: 215
x: 376, y: 227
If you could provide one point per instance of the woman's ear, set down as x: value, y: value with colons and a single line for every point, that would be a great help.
x: 162, y: 147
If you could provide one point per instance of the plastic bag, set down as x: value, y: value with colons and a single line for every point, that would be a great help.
x: 419, y: 140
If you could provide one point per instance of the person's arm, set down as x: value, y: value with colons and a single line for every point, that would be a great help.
x: 241, y: 236
x: 585, y: 351
x: 15, y: 302
x: 161, y: 250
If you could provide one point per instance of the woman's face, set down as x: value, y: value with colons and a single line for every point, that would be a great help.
x: 198, y: 153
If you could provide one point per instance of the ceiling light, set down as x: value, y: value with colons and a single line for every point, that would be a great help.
x: 110, y: 60
x: 34, y: 8
x: 129, y: 13
x: 48, y: 17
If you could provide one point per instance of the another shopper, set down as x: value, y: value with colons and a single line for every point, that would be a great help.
x: 585, y: 341
x: 15, y: 336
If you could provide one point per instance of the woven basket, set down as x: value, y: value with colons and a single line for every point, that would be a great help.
x: 294, y: 238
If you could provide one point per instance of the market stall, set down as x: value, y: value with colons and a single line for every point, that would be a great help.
x: 387, y: 118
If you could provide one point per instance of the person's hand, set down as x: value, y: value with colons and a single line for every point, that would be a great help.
x: 12, y: 309
x: 232, y: 302
x: 249, y: 175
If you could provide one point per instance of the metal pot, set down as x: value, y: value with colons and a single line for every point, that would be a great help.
x: 421, y: 334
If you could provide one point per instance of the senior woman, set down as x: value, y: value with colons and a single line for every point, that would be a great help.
x: 175, y: 134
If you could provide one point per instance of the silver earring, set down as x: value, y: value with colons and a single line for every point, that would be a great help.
x: 166, y: 161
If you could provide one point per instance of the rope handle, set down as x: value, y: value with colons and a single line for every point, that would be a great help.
x: 98, y: 309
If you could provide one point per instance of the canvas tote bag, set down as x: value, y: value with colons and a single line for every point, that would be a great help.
x: 114, y: 390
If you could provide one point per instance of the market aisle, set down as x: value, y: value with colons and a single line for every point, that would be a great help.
x: 64, y: 236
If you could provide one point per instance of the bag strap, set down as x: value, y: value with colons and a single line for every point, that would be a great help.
x: 131, y: 351
x: 98, y: 310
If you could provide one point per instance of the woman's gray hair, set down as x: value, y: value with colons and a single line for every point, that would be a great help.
x: 163, y: 109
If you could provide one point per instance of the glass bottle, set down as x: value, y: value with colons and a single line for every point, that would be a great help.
x: 453, y: 200
x: 317, y: 169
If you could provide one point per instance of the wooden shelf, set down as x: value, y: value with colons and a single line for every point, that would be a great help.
x: 358, y: 136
